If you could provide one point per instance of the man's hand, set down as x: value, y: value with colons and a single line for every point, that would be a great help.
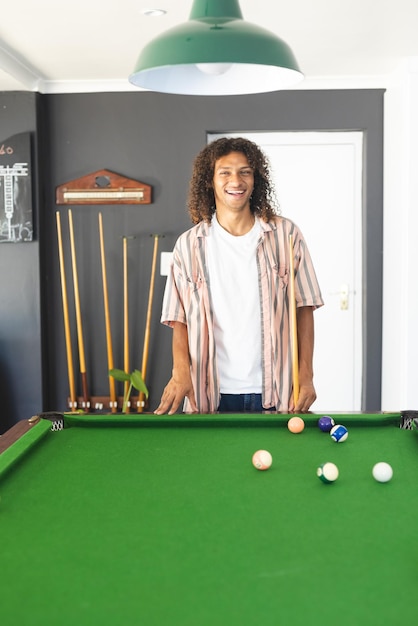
x: 173, y: 395
x: 307, y: 396
x: 180, y: 384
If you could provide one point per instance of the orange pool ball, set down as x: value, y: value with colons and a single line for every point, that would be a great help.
x: 296, y: 424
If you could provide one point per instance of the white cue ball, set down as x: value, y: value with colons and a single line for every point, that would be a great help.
x: 382, y: 472
x: 262, y: 459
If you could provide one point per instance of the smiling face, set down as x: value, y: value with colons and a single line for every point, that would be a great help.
x: 233, y: 183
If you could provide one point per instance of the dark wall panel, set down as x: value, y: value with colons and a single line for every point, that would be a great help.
x: 20, y: 323
x: 154, y: 138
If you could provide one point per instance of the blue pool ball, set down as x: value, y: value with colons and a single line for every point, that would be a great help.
x: 326, y: 423
x: 339, y: 433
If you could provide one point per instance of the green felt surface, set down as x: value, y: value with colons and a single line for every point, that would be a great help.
x: 169, y: 524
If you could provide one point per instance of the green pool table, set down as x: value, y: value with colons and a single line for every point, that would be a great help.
x: 163, y: 521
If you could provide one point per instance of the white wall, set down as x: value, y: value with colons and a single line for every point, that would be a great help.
x: 400, y: 253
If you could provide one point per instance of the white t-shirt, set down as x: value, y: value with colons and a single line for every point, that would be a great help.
x: 233, y: 284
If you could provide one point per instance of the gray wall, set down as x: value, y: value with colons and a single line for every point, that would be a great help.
x: 154, y: 138
x: 20, y: 320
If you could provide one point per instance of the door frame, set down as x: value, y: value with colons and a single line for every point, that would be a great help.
x: 372, y: 273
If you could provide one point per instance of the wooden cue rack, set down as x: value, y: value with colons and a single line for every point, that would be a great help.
x: 105, y: 187
x: 103, y: 403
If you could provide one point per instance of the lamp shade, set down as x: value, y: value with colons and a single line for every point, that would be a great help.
x: 216, y: 53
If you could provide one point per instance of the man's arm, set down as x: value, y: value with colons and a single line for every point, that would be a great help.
x: 180, y: 384
x: 305, y: 326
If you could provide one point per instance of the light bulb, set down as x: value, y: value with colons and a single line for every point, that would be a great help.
x: 214, y: 69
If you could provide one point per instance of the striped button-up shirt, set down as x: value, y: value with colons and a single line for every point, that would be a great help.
x: 187, y: 299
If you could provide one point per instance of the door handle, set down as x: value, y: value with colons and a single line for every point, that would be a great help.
x: 344, y: 297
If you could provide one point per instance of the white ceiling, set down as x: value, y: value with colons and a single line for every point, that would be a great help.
x: 55, y: 46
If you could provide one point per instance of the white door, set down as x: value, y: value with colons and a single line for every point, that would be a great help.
x: 318, y: 179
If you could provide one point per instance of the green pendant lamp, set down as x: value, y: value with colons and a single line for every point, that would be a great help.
x: 216, y: 53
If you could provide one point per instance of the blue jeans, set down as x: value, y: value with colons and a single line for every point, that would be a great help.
x: 241, y: 403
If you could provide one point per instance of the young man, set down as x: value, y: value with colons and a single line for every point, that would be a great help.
x: 227, y: 296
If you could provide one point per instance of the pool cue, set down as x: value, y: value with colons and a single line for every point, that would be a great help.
x: 148, y: 321
x: 68, y: 346
x: 110, y: 365
x: 81, y: 355
x: 293, y: 324
x: 126, y: 356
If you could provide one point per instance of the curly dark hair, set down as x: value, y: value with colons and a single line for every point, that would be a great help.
x: 201, y: 201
